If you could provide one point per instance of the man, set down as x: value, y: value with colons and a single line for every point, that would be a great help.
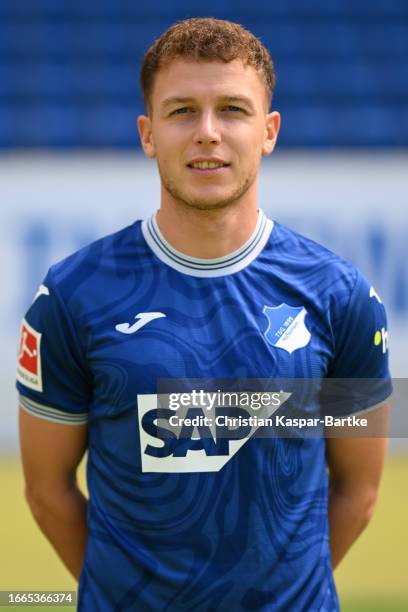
x: 206, y: 288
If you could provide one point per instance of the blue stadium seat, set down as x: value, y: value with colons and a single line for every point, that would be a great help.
x: 329, y: 126
x: 69, y: 70
x: 68, y: 81
x: 113, y: 8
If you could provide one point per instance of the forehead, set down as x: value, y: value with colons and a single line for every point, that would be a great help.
x: 197, y: 79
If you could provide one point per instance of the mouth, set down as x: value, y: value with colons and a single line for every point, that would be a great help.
x: 207, y: 166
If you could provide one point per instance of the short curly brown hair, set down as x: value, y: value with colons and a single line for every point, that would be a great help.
x: 206, y: 39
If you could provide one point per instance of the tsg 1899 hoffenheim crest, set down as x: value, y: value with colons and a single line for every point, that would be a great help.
x: 286, y: 327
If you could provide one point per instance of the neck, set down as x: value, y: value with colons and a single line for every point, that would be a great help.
x: 207, y: 234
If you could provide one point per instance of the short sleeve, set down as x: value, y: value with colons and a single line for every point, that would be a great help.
x: 52, y: 375
x: 361, y: 351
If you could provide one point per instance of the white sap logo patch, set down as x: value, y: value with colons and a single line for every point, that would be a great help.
x: 195, y: 449
x: 286, y: 327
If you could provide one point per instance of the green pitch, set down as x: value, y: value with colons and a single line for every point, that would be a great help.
x: 372, y: 578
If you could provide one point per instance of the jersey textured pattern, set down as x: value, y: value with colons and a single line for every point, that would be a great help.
x: 204, y: 528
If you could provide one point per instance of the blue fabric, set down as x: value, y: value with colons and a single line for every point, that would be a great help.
x: 252, y: 535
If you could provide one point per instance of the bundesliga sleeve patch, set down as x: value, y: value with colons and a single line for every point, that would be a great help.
x: 29, y: 358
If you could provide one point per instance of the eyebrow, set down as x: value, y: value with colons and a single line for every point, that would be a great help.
x: 176, y: 100
x: 183, y: 100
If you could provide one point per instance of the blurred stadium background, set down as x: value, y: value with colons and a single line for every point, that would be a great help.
x: 71, y: 170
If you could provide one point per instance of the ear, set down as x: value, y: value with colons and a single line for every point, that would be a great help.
x: 273, y: 121
x: 144, y: 125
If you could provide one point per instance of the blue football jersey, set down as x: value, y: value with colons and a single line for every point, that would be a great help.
x: 196, y: 524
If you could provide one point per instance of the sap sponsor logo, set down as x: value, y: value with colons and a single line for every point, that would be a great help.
x: 381, y: 339
x: 286, y: 327
x: 199, y: 443
x: 29, y: 358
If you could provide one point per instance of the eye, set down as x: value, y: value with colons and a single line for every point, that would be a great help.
x: 181, y: 111
x: 233, y: 109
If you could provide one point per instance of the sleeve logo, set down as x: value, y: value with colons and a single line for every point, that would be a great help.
x: 381, y: 338
x: 29, y: 358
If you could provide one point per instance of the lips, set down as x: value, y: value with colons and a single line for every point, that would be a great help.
x: 207, y: 164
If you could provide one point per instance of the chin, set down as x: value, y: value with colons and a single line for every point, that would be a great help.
x: 213, y: 200
x: 208, y: 204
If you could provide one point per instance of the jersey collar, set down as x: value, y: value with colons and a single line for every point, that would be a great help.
x: 219, y: 266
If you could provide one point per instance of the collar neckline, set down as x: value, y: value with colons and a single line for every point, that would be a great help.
x: 220, y: 266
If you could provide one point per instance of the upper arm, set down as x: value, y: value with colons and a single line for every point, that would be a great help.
x: 55, y: 390
x: 359, y: 380
x: 51, y: 452
x: 357, y: 462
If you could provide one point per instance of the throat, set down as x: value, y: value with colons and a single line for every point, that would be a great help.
x: 204, y: 234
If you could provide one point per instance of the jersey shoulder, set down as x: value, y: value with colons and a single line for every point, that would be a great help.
x: 314, y: 267
x: 104, y: 253
x: 340, y: 296
x: 304, y: 250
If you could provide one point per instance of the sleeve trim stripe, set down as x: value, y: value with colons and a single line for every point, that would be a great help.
x: 369, y: 408
x: 52, y: 414
x: 374, y: 406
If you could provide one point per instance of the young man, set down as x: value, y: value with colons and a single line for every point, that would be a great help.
x: 208, y: 287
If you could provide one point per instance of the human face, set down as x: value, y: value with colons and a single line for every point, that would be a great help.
x: 206, y: 113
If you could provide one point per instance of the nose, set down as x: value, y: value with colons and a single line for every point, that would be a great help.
x: 207, y: 131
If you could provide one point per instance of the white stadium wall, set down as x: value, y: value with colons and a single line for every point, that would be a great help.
x: 354, y: 203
